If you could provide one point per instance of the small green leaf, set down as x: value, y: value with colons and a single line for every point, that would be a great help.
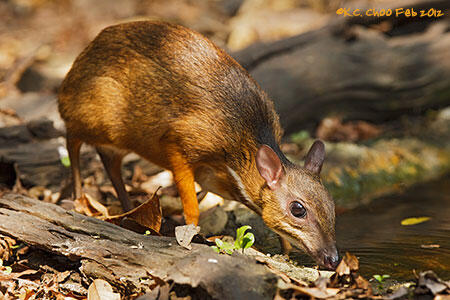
x: 219, y: 243
x: 215, y: 249
x: 414, y: 221
x: 381, y: 278
x: 228, y: 246
x: 240, y: 235
x: 248, y: 240
x: 147, y: 232
x: 64, y: 156
x: 228, y: 251
x: 65, y: 161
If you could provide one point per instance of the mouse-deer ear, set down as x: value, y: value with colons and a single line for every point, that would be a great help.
x: 315, y: 157
x: 269, y: 166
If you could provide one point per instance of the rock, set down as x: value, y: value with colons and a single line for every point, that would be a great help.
x: 43, y: 129
x: 213, y: 221
x: 13, y: 135
x: 209, y: 201
x: 301, y: 274
x: 33, y: 106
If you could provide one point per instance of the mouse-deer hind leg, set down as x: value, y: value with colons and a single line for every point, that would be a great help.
x: 112, y: 161
x: 184, y: 179
x: 73, y: 148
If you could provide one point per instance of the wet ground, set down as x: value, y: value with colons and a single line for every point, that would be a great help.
x: 374, y: 233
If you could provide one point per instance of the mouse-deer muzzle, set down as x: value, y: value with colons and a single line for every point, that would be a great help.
x: 297, y: 205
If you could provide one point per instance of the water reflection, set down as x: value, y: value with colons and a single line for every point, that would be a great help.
x: 374, y: 234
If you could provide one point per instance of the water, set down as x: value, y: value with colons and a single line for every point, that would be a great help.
x: 373, y: 233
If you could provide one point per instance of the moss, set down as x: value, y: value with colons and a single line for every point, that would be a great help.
x: 357, y: 173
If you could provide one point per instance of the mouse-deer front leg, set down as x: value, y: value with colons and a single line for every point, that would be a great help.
x: 184, y: 179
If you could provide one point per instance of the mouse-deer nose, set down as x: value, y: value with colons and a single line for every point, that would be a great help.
x: 331, y: 261
x: 330, y: 258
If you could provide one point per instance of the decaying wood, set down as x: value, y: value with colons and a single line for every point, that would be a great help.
x: 354, y: 71
x: 128, y: 260
x: 32, y: 150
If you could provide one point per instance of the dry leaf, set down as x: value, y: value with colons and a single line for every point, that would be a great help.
x: 362, y: 283
x: 322, y: 282
x: 184, y: 235
x: 429, y: 280
x: 6, y: 250
x: 311, y: 292
x: 147, y: 214
x: 414, y: 221
x: 90, y: 207
x: 97, y: 206
x: 11, y: 276
x: 41, y: 193
x: 101, y: 290
x: 348, y: 264
x: 430, y: 246
x: 333, y: 129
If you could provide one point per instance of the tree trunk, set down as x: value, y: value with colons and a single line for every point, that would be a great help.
x: 354, y: 71
x: 125, y: 258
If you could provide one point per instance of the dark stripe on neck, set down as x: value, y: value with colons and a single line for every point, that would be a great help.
x: 266, y: 136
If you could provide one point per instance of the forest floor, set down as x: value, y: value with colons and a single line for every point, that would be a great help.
x: 38, y: 42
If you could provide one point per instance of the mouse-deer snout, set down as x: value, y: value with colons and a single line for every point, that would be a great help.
x: 298, y: 206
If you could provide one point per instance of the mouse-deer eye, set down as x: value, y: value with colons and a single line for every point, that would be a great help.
x: 297, y: 209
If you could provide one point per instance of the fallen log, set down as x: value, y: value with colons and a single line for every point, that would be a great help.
x: 355, y: 71
x: 130, y: 261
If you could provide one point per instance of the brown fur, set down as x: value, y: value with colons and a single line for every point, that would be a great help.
x: 170, y: 95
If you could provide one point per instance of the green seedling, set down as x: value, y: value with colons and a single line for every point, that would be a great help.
x: 243, y: 241
x: 380, y: 279
x: 223, y: 247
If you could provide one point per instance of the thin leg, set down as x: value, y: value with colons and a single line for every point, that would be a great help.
x: 112, y: 160
x: 184, y: 179
x: 73, y: 147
